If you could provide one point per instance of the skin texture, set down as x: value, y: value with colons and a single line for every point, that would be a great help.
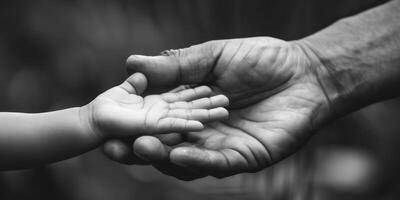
x: 27, y: 140
x: 280, y: 93
x: 275, y: 105
x: 121, y: 112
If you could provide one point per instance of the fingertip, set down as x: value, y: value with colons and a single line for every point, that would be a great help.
x: 149, y: 148
x: 146, y: 144
x: 194, y: 125
x: 219, y: 113
x: 139, y: 76
x: 204, y: 89
x: 116, y: 150
x: 161, y: 71
x: 181, y: 156
x: 223, y: 99
x: 170, y: 139
x: 130, y: 59
x: 138, y: 81
x: 135, y: 61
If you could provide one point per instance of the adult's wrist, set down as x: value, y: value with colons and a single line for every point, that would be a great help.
x: 322, y: 67
x: 352, y: 70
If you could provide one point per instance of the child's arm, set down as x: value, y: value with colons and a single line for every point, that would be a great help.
x: 32, y: 139
x: 27, y: 140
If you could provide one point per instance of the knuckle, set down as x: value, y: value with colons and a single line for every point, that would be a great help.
x: 188, y: 113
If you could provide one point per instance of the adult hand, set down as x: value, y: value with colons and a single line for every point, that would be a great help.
x: 277, y: 102
x: 280, y: 92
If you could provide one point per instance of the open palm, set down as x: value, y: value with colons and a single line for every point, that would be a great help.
x: 253, y: 138
x: 121, y: 112
x: 276, y: 103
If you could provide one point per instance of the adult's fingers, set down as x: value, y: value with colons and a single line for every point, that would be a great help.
x: 151, y: 149
x: 219, y: 163
x: 171, y: 139
x: 122, y: 152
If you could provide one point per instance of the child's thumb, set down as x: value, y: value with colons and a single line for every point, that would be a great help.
x: 135, y: 84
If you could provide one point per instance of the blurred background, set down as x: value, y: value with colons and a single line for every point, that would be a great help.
x: 57, y: 53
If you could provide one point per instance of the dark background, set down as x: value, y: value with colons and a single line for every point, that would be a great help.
x: 56, y: 54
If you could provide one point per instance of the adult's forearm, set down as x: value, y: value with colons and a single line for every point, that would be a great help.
x: 358, y: 58
x: 27, y: 140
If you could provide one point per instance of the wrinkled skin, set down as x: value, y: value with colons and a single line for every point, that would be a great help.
x: 277, y: 102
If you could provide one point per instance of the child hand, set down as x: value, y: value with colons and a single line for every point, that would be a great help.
x: 120, y: 111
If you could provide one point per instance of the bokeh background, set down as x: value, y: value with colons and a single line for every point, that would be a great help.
x: 57, y: 53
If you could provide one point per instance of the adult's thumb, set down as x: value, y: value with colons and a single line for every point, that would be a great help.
x: 191, y: 65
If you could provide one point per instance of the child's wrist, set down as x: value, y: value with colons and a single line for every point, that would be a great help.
x: 88, y: 125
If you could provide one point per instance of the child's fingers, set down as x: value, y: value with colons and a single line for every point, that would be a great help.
x: 203, y: 103
x: 187, y: 94
x: 157, y: 152
x: 179, y: 88
x: 202, y: 115
x: 212, y: 102
x: 171, y: 124
x: 135, y: 84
